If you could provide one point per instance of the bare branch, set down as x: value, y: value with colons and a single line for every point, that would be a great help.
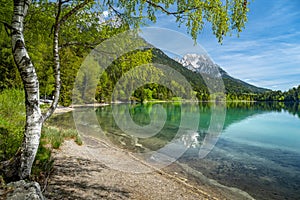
x: 176, y: 14
x: 66, y: 1
x: 74, y: 10
x: 119, y: 14
x: 84, y: 44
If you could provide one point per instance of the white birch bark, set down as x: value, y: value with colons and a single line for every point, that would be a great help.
x: 56, y: 62
x: 34, y: 118
x: 29, y: 77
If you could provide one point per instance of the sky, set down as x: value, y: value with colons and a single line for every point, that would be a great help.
x: 267, y: 52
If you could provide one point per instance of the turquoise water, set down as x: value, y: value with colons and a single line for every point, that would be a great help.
x: 269, y: 130
x: 253, y: 146
x: 259, y: 152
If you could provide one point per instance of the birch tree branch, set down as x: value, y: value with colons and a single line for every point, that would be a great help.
x: 56, y: 60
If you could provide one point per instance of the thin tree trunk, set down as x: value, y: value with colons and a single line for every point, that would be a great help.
x: 29, y: 77
x: 59, y: 21
x: 56, y: 62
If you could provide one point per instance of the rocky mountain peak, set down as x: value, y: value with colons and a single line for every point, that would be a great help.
x: 201, y: 64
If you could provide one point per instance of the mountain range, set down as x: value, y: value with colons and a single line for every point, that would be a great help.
x: 193, y: 65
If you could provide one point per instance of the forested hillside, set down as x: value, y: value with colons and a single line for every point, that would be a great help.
x: 235, y: 89
x: 292, y: 95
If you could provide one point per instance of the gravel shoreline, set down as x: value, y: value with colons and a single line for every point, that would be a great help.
x: 83, y: 172
x: 62, y: 109
x: 86, y: 172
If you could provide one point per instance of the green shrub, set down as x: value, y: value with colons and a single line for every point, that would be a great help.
x: 12, y: 122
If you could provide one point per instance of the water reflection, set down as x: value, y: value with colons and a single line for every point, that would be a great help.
x: 140, y: 114
x: 258, y: 150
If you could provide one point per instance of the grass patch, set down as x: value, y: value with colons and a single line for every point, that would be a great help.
x: 51, y: 138
x: 55, y: 136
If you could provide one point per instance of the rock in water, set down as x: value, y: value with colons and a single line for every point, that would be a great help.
x: 23, y: 190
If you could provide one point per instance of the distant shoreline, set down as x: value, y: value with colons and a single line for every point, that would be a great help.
x: 62, y: 109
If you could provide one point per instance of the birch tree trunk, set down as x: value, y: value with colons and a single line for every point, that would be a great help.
x: 34, y: 119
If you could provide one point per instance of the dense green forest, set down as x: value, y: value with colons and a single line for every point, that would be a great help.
x: 72, y: 55
x: 292, y: 95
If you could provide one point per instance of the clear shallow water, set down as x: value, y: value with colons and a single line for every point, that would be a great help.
x: 258, y: 152
x: 258, y: 147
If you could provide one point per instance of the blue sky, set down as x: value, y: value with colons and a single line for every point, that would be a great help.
x: 267, y: 53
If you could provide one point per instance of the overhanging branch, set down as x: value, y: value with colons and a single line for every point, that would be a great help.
x: 74, y: 10
x: 119, y: 14
x: 84, y: 44
x: 176, y: 13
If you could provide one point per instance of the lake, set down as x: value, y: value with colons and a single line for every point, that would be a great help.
x: 251, y: 146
